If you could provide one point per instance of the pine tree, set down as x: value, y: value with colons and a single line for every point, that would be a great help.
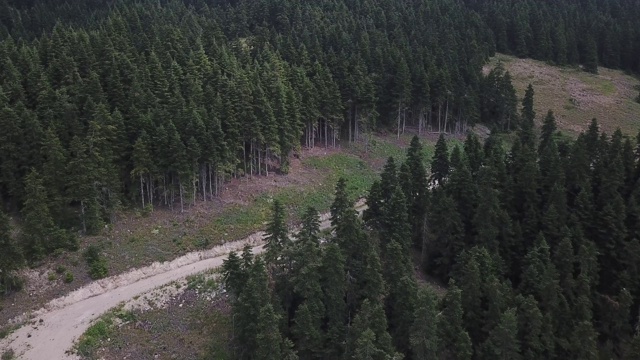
x: 503, y: 342
x: 39, y: 235
x: 454, y: 339
x: 256, y: 323
x: 528, y: 112
x: 10, y: 257
x: 334, y: 287
x: 424, y: 333
x: 440, y: 162
x: 416, y: 190
x: 401, y: 298
x: 446, y: 237
x: 371, y: 319
x: 276, y: 234
x: 549, y: 128
x: 590, y: 57
x: 531, y: 330
x: 234, y: 274
x: 341, y: 205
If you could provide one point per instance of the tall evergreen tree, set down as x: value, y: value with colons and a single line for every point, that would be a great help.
x: 424, y: 333
x: 10, y: 258
x: 454, y: 339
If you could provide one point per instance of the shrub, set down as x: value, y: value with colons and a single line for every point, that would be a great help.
x: 68, y: 277
x: 52, y: 277
x: 61, y: 269
x: 8, y: 355
x: 97, y: 263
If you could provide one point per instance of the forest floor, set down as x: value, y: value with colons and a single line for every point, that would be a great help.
x: 576, y: 96
x: 139, y: 247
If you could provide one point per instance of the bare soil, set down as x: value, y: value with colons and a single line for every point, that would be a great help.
x: 576, y: 96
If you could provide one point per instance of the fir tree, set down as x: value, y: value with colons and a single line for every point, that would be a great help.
x: 424, y: 333
x: 503, y: 342
x: 10, y: 257
x: 440, y: 162
x: 276, y: 235
x: 454, y: 339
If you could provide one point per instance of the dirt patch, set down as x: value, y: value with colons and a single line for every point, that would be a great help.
x: 188, y: 326
x: 575, y: 96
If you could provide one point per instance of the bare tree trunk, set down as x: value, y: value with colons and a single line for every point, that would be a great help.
x: 181, y: 196
x: 164, y: 188
x: 404, y: 120
x: 250, y: 159
x: 399, y: 119
x: 446, y: 115
x: 209, y: 167
x: 142, y: 190
x: 195, y: 188
x: 84, y: 221
x: 150, y: 190
x: 350, y: 118
x: 439, y: 114
x: 326, y: 133
x: 244, y: 157
x: 203, y: 181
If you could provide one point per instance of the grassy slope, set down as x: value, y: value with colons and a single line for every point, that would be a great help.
x: 137, y: 240
x: 358, y: 166
x: 576, y: 96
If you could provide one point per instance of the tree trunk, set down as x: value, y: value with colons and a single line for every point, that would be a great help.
x: 439, y: 116
x: 164, y: 188
x: 150, y: 190
x: 203, y: 180
x: 446, y: 114
x: 399, y: 119
x: 142, y: 190
x: 181, y: 196
x: 84, y: 221
x: 350, y: 119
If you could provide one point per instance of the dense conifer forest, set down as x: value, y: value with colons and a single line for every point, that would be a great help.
x: 539, y: 247
x: 106, y: 105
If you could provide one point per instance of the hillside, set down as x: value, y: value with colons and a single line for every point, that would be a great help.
x: 576, y: 96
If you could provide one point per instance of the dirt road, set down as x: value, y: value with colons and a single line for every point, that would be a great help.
x: 51, y: 332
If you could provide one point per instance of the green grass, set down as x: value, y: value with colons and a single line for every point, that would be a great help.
x: 238, y: 221
x: 598, y: 84
x: 141, y: 245
x: 103, y: 329
x: 575, y: 96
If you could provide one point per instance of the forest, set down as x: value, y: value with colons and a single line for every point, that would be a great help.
x: 107, y: 105
x: 538, y: 246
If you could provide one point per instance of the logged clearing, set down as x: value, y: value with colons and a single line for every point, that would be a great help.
x: 576, y: 96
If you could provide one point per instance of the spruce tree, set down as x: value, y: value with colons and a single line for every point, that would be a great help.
x: 416, y: 190
x: 532, y: 330
x: 334, y: 287
x: 39, y: 235
x: 454, y: 339
x: 370, y: 319
x: 528, y: 112
x: 276, y: 234
x: 503, y: 342
x: 10, y: 257
x: 440, y: 162
x: 424, y: 332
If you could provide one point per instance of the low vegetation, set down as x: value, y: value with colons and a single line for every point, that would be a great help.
x: 98, y: 267
x: 102, y: 331
x: 576, y: 96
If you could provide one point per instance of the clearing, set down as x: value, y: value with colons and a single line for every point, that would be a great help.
x: 576, y: 96
x: 139, y: 248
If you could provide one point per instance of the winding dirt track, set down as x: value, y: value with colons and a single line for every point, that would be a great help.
x: 54, y: 328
